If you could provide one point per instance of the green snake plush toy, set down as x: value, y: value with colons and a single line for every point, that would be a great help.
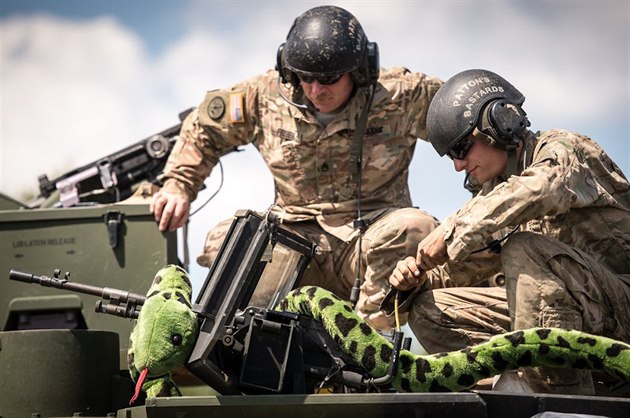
x: 458, y: 370
x: 164, y: 334
x: 166, y: 331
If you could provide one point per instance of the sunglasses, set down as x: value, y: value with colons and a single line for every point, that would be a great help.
x: 459, y: 150
x: 324, y: 80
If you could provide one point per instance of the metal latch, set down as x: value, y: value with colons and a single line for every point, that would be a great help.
x: 113, y: 220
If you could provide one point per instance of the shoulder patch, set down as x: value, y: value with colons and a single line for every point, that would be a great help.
x: 216, y: 108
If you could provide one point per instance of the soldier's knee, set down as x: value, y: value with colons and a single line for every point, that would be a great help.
x: 425, y: 322
x: 213, y: 242
x: 413, y: 221
x: 422, y: 310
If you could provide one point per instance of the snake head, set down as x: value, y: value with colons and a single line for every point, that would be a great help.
x: 165, y: 342
x: 166, y: 329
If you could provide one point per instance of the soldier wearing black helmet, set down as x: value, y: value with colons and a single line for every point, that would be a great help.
x: 338, y: 134
x: 553, y: 215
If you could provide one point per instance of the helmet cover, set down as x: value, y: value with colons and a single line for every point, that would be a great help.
x: 325, y: 41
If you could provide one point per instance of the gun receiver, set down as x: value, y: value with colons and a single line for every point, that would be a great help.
x: 121, y: 302
x: 110, y: 178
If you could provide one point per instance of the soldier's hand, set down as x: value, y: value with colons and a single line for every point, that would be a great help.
x: 432, y: 250
x: 170, y: 210
x: 407, y: 275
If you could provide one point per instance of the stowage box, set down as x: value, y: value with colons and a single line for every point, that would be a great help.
x: 113, y: 245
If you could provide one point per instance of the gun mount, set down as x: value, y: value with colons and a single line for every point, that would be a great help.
x: 245, y: 344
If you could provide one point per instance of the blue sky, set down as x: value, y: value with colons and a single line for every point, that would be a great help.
x: 82, y: 79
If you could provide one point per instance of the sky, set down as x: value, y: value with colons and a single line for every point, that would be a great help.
x: 83, y: 79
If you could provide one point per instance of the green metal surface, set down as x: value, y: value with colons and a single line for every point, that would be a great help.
x: 374, y: 405
x: 8, y: 203
x: 482, y: 404
x: 58, y: 373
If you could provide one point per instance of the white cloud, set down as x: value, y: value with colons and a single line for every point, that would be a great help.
x: 68, y: 89
x: 558, y: 50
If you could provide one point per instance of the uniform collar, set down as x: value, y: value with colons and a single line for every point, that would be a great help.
x: 527, y: 150
x: 345, y: 119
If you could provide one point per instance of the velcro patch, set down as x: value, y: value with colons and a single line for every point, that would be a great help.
x: 378, y: 130
x: 237, y: 114
x: 284, y: 134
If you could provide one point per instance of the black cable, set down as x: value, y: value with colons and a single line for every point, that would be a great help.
x: 359, y: 223
x: 213, y: 194
x: 495, y: 245
x: 185, y: 229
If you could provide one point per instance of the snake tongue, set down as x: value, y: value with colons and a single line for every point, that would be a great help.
x: 139, y: 383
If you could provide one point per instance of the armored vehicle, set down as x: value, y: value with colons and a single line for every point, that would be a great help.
x: 58, y: 356
x: 92, y: 253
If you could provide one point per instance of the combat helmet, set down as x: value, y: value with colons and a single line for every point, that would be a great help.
x: 476, y: 99
x: 324, y: 43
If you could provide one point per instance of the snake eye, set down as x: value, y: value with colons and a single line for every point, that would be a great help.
x: 176, y: 339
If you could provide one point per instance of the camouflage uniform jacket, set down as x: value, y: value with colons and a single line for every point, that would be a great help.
x: 569, y: 190
x: 309, y: 162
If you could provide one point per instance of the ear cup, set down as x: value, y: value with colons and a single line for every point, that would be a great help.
x: 507, y: 122
x: 286, y: 76
x: 279, y: 67
x: 372, y: 63
x: 368, y: 72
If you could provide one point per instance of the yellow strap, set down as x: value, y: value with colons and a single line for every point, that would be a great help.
x: 396, y: 310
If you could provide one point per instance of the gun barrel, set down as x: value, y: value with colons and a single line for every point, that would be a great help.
x: 108, y: 293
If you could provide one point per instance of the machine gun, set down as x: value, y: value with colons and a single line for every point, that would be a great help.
x: 121, y: 302
x: 111, y: 178
x: 245, y: 345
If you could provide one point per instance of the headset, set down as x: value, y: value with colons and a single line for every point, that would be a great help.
x: 505, y: 122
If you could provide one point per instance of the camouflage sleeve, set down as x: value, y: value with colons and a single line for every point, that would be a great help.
x: 426, y: 88
x: 554, y: 182
x: 409, y: 93
x: 187, y: 167
x: 474, y: 270
x: 224, y: 120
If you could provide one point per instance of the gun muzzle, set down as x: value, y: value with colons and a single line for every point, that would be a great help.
x: 23, y: 277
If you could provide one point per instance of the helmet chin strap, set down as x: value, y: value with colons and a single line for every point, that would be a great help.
x: 307, y: 107
x: 470, y: 186
x: 512, y: 160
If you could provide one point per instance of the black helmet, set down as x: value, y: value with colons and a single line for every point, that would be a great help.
x: 325, y: 41
x: 476, y: 98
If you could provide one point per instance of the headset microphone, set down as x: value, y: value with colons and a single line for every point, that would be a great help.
x: 471, y: 185
x: 309, y: 106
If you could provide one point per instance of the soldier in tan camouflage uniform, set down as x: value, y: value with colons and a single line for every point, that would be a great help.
x: 568, y: 265
x: 304, y: 128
